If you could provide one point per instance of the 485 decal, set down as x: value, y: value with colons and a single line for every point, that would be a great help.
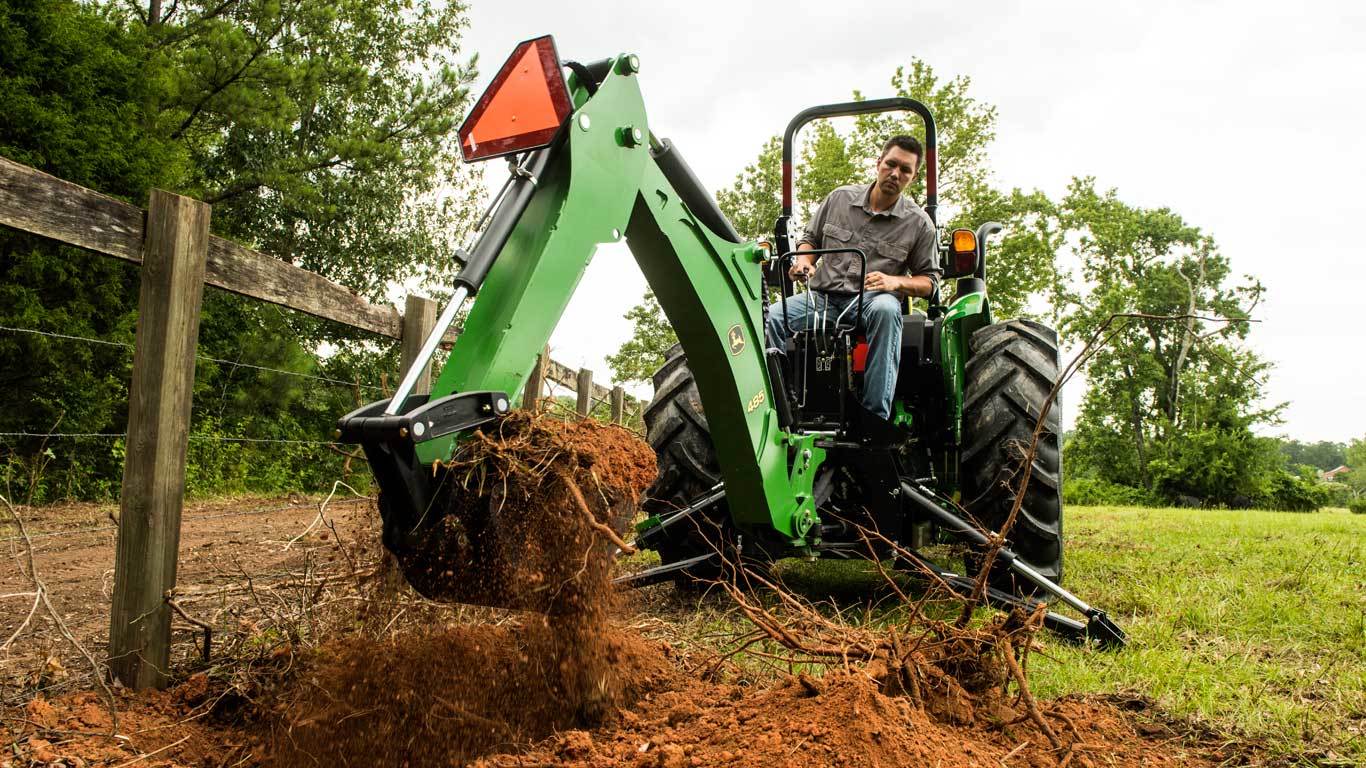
x: 755, y: 402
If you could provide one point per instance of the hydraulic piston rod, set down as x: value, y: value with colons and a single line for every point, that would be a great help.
x: 429, y: 346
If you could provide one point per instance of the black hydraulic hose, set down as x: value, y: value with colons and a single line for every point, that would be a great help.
x: 504, y: 220
x: 693, y: 194
x: 585, y: 77
x: 780, y: 396
x: 987, y: 229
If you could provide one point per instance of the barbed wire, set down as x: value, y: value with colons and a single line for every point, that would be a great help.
x: 189, y: 519
x: 195, y: 438
x: 234, y: 363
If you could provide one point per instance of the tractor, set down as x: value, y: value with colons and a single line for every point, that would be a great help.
x: 763, y: 452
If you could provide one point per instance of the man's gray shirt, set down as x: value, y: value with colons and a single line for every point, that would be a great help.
x: 898, y: 241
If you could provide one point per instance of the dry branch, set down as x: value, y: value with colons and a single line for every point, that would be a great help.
x: 1097, y: 341
x: 42, y: 595
x: 592, y: 521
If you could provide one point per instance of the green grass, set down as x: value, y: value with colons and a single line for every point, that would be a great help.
x: 1253, y: 622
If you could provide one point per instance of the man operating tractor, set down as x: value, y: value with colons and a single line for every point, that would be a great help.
x: 898, y: 242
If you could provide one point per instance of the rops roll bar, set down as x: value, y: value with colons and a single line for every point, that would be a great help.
x: 931, y: 159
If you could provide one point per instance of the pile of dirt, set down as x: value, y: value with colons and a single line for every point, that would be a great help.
x: 451, y: 694
x: 527, y: 519
x: 168, y: 727
x: 847, y: 719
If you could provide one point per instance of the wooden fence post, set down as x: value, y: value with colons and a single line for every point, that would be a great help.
x: 175, y: 247
x: 584, y: 386
x: 618, y: 404
x: 535, y: 383
x: 419, y: 317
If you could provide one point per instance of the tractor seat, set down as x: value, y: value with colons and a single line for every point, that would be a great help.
x: 915, y: 343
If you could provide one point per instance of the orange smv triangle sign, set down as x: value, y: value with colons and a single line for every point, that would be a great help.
x: 523, y: 106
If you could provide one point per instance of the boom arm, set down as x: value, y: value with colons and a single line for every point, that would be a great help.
x: 602, y: 181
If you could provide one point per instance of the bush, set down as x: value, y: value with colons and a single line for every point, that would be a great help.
x: 1291, y: 493
x: 1094, y: 492
x: 1335, y: 494
x: 1357, y: 506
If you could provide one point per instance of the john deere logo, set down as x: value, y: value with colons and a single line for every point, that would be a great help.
x: 737, y: 339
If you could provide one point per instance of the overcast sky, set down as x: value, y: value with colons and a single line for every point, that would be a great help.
x: 1246, y: 118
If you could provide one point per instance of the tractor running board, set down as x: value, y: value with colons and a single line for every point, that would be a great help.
x: 662, y: 572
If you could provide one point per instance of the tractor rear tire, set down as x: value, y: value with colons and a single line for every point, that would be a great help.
x: 677, y: 430
x: 1008, y: 377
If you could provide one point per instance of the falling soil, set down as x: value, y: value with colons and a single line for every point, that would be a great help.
x: 521, y: 517
x: 527, y: 521
x: 448, y: 695
x: 567, y: 685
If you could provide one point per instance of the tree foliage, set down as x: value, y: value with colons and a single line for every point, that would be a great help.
x: 319, y: 130
x: 1173, y: 394
x: 322, y: 130
x: 643, y: 353
x: 1322, y: 454
x: 71, y: 95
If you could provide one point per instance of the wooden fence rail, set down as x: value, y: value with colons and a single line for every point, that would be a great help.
x: 41, y: 204
x: 178, y: 257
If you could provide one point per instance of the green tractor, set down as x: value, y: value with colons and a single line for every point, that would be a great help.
x: 763, y: 453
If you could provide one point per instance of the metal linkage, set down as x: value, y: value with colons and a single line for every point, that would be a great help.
x: 1099, y: 627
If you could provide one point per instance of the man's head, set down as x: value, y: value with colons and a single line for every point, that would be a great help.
x: 897, y: 164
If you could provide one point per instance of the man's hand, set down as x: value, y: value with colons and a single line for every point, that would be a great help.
x: 801, y: 269
x: 914, y: 285
x: 879, y: 281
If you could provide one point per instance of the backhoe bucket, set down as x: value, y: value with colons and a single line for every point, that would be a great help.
x: 416, y: 501
x: 515, y: 517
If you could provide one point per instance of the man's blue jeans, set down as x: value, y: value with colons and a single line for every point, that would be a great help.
x: 881, y: 323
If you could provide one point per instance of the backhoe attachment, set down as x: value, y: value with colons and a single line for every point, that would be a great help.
x: 596, y: 176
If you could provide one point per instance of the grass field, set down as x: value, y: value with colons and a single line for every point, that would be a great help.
x: 1251, y: 624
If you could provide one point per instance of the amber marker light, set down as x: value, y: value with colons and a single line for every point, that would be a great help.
x: 964, y: 248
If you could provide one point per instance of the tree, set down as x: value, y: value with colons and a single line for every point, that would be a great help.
x: 1172, y: 393
x: 1323, y: 454
x: 754, y: 201
x: 321, y: 132
x: 1356, y: 463
x: 71, y: 95
x: 651, y: 338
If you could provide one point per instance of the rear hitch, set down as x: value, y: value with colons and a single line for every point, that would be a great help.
x: 391, y: 443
